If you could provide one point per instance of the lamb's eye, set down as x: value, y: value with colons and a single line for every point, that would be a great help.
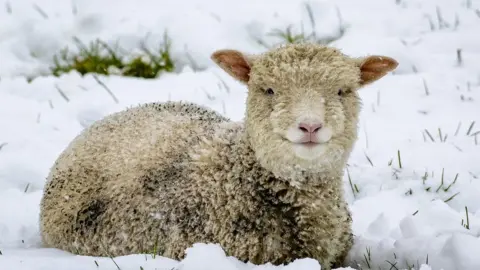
x: 270, y: 91
x: 340, y: 92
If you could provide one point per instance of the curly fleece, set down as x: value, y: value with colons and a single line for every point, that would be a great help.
x: 168, y: 175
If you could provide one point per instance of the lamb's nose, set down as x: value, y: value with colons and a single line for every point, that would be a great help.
x: 310, y: 128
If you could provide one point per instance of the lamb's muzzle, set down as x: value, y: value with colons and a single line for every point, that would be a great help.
x: 310, y: 129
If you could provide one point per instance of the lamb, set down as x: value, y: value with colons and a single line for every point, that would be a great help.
x: 267, y: 189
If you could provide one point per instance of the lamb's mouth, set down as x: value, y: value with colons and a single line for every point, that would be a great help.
x: 307, y: 144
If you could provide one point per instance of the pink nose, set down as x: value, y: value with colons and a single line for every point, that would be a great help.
x: 310, y: 128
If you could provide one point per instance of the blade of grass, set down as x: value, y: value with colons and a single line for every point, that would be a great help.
x: 429, y: 135
x: 399, y: 159
x: 452, y: 197
x: 470, y: 128
x: 106, y: 88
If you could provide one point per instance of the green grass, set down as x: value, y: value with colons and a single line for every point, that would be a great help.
x: 354, y: 187
x: 290, y: 36
x: 99, y: 58
x: 466, y: 223
x: 394, y: 263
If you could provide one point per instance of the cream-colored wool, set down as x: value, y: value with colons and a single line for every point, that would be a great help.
x: 173, y: 174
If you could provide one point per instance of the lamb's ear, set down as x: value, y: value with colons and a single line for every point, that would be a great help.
x: 375, y: 67
x: 234, y: 63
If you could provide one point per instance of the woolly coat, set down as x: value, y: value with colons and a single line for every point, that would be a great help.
x: 163, y: 176
x: 168, y: 175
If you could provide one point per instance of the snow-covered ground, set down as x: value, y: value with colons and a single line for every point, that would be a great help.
x: 421, y: 209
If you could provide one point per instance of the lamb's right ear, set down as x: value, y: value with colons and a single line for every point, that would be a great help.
x: 234, y: 63
x: 374, y: 67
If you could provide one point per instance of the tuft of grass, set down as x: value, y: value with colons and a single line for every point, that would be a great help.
x: 288, y: 36
x: 98, y: 57
x: 441, y: 22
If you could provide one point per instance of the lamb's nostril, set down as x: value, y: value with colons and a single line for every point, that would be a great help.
x: 303, y: 129
x: 310, y: 128
x: 317, y: 128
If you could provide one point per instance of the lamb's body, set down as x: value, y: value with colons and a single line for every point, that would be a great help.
x: 267, y: 190
x: 184, y: 175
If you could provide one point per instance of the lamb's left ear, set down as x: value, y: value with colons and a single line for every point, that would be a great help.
x: 374, y: 67
x: 234, y: 63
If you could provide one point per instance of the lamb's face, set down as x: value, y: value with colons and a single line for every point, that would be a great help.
x: 303, y: 105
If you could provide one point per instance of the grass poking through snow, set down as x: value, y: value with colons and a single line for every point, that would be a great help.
x: 466, y: 224
x: 399, y: 159
x: 354, y: 187
x: 98, y: 57
x: 290, y: 36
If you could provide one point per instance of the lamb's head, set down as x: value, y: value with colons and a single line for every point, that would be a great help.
x: 302, y: 105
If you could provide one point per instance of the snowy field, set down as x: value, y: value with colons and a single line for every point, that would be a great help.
x: 413, y: 181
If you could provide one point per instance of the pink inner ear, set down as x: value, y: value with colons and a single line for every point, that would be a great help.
x: 375, y: 67
x: 380, y: 64
x: 234, y: 62
x: 242, y: 71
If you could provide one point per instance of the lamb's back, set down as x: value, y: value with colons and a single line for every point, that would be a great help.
x: 128, y: 157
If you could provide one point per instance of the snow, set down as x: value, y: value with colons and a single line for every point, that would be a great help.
x: 400, y: 217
